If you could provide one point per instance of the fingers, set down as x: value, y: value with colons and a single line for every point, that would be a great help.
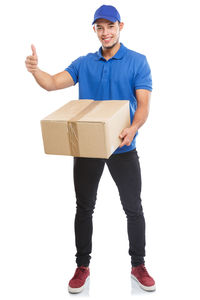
x: 31, y: 68
x: 31, y: 64
x: 125, y: 142
x: 124, y: 133
x: 31, y: 59
x: 127, y: 136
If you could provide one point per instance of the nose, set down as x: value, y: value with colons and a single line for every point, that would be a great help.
x: 105, y: 31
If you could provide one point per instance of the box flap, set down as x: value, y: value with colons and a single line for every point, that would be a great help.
x: 69, y: 110
x: 102, y: 111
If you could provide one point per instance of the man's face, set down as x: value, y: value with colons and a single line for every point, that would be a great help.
x: 108, y: 32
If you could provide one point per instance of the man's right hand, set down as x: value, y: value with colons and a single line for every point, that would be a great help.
x: 32, y: 61
x: 46, y: 81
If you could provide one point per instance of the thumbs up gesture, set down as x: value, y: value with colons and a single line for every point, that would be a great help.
x: 32, y: 61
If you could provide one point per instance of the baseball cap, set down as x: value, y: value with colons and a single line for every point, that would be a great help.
x: 107, y: 12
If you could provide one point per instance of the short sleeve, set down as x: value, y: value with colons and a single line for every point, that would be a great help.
x: 74, y: 68
x: 143, y: 79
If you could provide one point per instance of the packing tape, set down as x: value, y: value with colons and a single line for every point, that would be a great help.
x: 73, y: 139
x: 73, y: 130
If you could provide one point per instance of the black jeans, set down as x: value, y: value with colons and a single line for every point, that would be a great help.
x: 125, y: 171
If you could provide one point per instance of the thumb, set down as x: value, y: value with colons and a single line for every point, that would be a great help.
x: 33, y: 50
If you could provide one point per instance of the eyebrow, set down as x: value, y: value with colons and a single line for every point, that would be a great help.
x: 108, y: 24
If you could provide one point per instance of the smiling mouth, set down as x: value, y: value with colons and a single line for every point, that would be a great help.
x: 107, y: 39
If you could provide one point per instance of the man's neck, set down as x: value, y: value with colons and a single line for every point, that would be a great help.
x: 108, y: 53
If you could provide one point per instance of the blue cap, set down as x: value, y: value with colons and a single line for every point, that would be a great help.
x: 107, y: 12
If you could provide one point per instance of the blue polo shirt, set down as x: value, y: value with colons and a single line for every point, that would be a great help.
x: 113, y: 79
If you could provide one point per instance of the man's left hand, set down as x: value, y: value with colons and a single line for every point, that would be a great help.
x: 127, y: 135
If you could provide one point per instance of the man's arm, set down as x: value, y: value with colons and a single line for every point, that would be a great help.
x: 140, y: 116
x: 48, y: 82
x: 142, y: 111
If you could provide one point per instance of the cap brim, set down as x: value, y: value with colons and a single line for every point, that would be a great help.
x: 105, y: 17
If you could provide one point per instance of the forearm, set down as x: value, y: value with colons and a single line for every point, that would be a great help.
x: 140, y: 117
x: 44, y: 79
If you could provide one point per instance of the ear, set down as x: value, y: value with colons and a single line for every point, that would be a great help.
x: 94, y: 28
x: 121, y: 26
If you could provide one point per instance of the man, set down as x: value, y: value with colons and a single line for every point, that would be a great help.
x: 112, y: 73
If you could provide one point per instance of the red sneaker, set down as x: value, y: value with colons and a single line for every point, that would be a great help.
x: 141, y: 275
x: 78, y: 281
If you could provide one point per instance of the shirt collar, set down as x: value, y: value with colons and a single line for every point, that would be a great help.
x: 118, y: 55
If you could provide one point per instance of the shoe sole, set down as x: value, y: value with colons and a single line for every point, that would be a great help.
x: 77, y: 290
x: 144, y: 287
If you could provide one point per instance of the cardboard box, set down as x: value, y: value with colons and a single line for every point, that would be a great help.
x: 86, y: 128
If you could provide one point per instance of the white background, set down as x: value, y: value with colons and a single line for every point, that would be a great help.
x: 37, y: 194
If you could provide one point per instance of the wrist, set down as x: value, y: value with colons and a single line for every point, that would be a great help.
x: 35, y: 71
x: 134, y: 128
